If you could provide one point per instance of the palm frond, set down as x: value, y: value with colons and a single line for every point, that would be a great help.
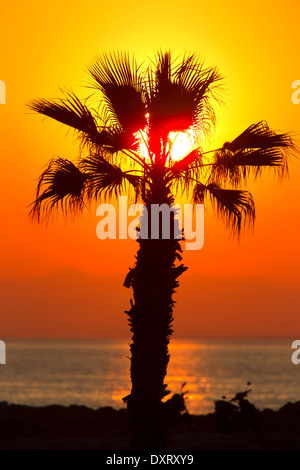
x: 183, y: 165
x: 179, y: 96
x: 117, y: 77
x: 260, y: 136
x: 61, y: 184
x: 184, y: 172
x: 235, y: 207
x: 107, y: 179
x: 236, y: 168
x: 256, y: 148
x: 204, y: 84
x: 74, y: 113
x: 71, y: 111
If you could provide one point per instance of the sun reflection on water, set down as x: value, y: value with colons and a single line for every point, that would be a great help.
x: 97, y: 373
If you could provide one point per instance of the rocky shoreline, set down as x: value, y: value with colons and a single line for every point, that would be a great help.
x: 78, y: 427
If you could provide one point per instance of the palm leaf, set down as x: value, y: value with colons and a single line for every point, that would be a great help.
x: 235, y: 207
x: 204, y: 84
x: 256, y: 148
x: 259, y: 136
x: 183, y: 165
x: 106, y: 178
x: 236, y: 166
x: 178, y: 96
x: 184, y: 172
x: 117, y: 77
x: 72, y: 112
x: 61, y: 184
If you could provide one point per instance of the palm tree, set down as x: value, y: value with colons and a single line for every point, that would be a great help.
x: 145, y: 105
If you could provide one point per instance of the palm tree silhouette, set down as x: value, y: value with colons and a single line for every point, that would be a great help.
x: 148, y: 104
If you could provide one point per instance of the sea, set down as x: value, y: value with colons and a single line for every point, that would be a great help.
x: 95, y: 373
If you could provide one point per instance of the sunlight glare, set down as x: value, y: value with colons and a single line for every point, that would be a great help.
x: 182, y: 143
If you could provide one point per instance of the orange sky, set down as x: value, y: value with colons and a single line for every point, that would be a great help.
x: 52, y: 279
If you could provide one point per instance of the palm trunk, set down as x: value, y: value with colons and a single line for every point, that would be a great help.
x: 150, y: 317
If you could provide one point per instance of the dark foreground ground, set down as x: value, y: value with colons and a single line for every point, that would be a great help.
x: 77, y: 427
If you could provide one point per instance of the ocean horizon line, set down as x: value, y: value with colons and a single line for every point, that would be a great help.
x: 124, y: 338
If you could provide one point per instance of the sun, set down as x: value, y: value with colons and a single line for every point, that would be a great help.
x: 180, y: 143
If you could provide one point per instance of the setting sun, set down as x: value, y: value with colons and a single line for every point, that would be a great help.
x: 180, y: 143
